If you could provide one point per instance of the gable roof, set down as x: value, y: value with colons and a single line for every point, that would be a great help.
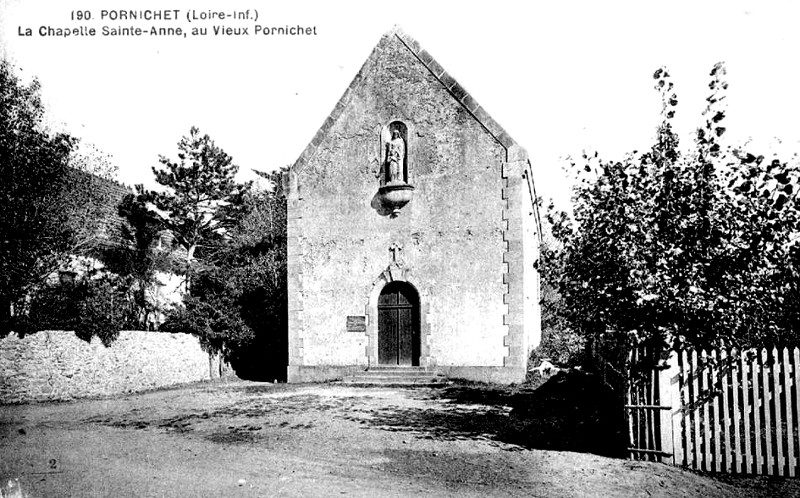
x: 514, y: 152
x: 107, y: 194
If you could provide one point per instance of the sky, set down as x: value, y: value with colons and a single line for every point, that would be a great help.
x: 560, y: 77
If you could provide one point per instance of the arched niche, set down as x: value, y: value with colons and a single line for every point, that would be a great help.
x: 387, y: 133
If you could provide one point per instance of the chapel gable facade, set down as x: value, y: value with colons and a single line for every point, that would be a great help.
x: 412, y: 231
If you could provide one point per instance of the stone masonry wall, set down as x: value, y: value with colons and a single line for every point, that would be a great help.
x: 451, y: 232
x: 56, y: 365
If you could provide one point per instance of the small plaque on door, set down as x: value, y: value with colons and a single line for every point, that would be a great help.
x: 357, y: 324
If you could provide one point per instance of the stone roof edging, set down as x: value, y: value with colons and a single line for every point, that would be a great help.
x: 461, y: 95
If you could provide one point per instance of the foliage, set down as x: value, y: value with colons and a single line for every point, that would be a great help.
x: 90, y: 159
x: 53, y: 212
x: 560, y: 344
x: 672, y: 249
x: 106, y: 308
x: 33, y: 173
x: 93, y: 306
x: 49, y: 207
x: 563, y: 347
x: 237, y: 304
x: 201, y: 200
x: 234, y: 240
x: 137, y: 256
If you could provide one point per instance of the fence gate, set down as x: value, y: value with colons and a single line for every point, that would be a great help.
x: 719, y: 411
x: 648, y: 409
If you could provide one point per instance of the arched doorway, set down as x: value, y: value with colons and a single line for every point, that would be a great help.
x: 398, y: 325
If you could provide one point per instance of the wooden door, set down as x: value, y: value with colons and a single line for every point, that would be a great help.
x: 398, y: 330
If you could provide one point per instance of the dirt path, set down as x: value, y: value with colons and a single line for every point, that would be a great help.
x: 246, y: 439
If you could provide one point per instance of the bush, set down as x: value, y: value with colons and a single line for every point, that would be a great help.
x: 564, y: 348
x: 92, y: 307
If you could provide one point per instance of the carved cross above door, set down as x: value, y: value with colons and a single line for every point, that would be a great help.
x: 395, y: 249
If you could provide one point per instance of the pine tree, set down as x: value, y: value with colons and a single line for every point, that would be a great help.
x: 201, y: 199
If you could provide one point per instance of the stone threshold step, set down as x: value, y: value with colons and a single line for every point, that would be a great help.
x: 395, y: 377
x: 397, y: 367
x: 395, y: 372
x: 391, y: 378
x: 401, y: 384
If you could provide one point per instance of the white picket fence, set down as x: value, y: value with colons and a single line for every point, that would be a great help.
x: 719, y: 411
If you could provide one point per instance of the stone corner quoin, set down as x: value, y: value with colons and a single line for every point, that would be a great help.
x: 412, y: 209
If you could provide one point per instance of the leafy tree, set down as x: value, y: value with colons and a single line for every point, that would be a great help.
x: 99, y: 300
x: 52, y: 208
x: 33, y: 175
x: 201, y: 198
x: 238, y: 304
x: 672, y: 249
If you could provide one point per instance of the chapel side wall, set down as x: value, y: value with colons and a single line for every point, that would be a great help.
x: 531, y: 237
x: 451, y: 232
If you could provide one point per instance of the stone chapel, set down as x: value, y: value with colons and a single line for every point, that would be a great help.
x: 413, y: 232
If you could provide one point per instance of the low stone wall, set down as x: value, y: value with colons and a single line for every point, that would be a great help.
x: 56, y: 365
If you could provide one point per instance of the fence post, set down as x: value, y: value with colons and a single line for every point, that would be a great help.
x: 669, y: 394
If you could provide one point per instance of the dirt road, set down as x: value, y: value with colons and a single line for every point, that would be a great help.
x: 247, y: 439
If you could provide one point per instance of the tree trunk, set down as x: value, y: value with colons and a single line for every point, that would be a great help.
x: 6, y: 315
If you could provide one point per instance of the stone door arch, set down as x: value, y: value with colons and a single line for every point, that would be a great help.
x: 398, y: 325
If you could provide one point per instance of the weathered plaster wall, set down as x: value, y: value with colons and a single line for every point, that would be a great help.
x: 56, y: 365
x: 451, y: 232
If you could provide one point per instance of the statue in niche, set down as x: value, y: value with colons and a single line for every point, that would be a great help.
x: 393, y: 170
x: 395, y: 158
